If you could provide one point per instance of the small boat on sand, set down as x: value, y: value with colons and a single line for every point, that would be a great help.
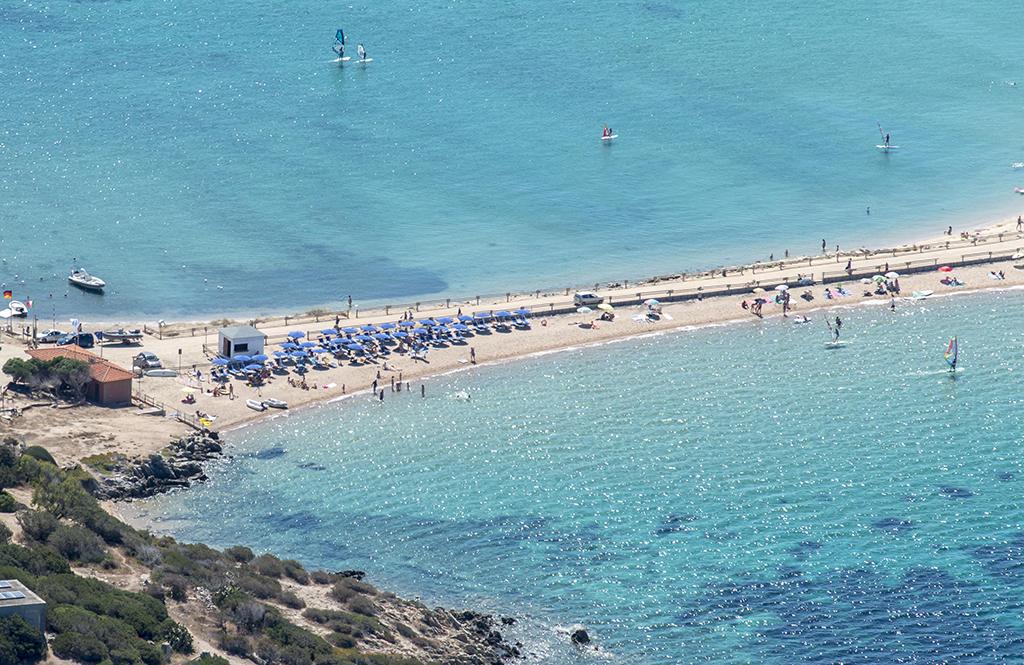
x: 255, y: 405
x: 83, y: 280
x: 275, y: 403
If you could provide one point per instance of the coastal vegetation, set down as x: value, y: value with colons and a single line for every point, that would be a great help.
x: 84, y: 563
x: 57, y: 374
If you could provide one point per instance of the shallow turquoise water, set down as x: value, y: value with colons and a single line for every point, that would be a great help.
x: 178, y: 147
x: 731, y: 494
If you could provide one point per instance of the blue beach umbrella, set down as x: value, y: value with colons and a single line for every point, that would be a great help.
x: 355, y: 347
x: 241, y: 359
x: 428, y: 322
x: 522, y: 311
x: 350, y: 330
x: 505, y: 314
x: 260, y: 358
x: 323, y: 350
x: 422, y: 332
x: 288, y: 345
x: 308, y: 345
x: 382, y: 336
x: 461, y: 327
x: 446, y: 319
x: 401, y: 334
x: 369, y: 328
x: 253, y: 367
x: 388, y: 326
x: 299, y: 354
x: 407, y: 324
x: 481, y: 316
x: 465, y: 318
x: 220, y: 362
x: 363, y: 338
x: 328, y: 331
x: 280, y: 354
x: 296, y: 334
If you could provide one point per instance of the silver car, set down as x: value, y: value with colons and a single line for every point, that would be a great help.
x: 147, y: 360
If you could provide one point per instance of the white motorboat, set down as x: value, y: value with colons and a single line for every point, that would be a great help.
x: 275, y: 403
x: 255, y: 405
x: 83, y: 280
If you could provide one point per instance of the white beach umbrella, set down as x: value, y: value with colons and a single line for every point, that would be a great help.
x: 584, y: 310
x: 758, y: 290
x: 892, y: 274
x: 651, y: 302
x: 865, y: 280
x: 782, y: 287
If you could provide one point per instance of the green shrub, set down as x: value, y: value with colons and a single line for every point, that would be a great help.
x: 240, y: 553
x: 261, y: 587
x: 294, y: 570
x: 236, y: 645
x: 176, y: 586
x: 363, y: 605
x: 322, y: 577
x: 37, y: 524
x: 40, y: 453
x: 289, y: 599
x: 20, y: 642
x: 177, y: 636
x: 77, y: 544
x: 269, y: 565
x: 35, y: 560
x: 80, y: 647
x: 142, y: 615
x: 8, y: 504
x: 5, y: 533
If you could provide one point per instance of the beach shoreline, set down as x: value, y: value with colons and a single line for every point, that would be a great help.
x: 711, y: 299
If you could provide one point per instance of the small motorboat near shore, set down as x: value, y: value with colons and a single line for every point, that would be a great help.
x: 120, y: 336
x: 255, y: 405
x: 275, y: 403
x: 83, y: 280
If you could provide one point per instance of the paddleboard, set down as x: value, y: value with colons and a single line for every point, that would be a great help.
x: 1017, y: 165
x: 364, y: 61
x: 1018, y: 190
x: 887, y: 147
x: 345, y: 59
x: 160, y: 372
x: 609, y: 138
x: 836, y: 345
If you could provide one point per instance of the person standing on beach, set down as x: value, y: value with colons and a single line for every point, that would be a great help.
x: 1020, y: 222
x: 823, y: 245
x: 472, y: 355
x: 849, y: 265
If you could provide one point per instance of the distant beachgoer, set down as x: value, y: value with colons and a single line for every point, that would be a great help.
x: 892, y: 304
x: 949, y: 231
x: 423, y: 390
x: 839, y: 324
x: 231, y: 391
x: 849, y: 265
x: 868, y: 210
x: 382, y: 396
x: 1020, y: 222
x: 886, y: 140
x: 472, y: 355
x: 744, y: 305
x: 823, y: 245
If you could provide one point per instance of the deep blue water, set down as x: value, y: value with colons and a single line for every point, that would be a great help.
x: 178, y: 147
x: 731, y: 494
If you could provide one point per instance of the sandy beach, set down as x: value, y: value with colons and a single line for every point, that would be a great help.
x: 90, y: 430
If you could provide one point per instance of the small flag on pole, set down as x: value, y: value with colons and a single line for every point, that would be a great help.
x: 8, y: 295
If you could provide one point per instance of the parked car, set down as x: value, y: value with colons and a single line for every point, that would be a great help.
x: 49, y: 336
x: 146, y: 360
x: 582, y: 298
x: 84, y: 340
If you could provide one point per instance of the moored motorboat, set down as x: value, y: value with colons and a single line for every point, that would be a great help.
x: 255, y: 405
x: 83, y: 280
x: 275, y: 403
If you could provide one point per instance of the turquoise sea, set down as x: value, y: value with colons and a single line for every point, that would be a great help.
x: 731, y: 494
x: 205, y: 157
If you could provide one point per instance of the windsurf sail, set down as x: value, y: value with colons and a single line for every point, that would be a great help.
x: 952, y: 351
x: 340, y: 36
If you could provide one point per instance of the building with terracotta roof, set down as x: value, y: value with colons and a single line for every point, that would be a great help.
x: 109, y: 384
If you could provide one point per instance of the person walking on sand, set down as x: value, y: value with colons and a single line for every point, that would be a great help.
x: 472, y: 355
x: 231, y: 391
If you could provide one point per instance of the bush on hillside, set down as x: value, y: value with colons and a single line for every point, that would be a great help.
x: 77, y: 544
x: 79, y: 647
x: 294, y: 570
x: 207, y: 658
x: 8, y: 504
x: 39, y: 453
x: 240, y: 553
x: 37, y: 524
x: 20, y: 642
x: 5, y: 534
x: 269, y: 565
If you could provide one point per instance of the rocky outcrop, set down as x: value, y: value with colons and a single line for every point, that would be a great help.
x: 179, y: 466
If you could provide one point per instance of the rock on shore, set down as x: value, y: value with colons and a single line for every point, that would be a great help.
x: 179, y: 466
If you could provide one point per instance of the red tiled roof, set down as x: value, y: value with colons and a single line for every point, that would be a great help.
x: 100, y: 369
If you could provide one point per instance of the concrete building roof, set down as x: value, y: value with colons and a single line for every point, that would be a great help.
x: 13, y: 594
x: 241, y: 332
x: 100, y: 369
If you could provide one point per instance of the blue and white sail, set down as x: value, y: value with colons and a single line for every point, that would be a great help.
x: 340, y: 36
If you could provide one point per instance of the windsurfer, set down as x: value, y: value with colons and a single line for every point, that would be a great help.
x: 361, y: 51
